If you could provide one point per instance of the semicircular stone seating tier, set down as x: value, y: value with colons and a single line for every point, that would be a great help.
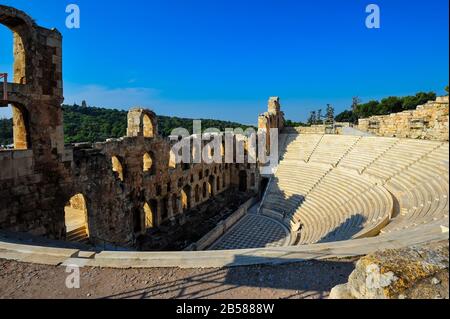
x: 333, y: 188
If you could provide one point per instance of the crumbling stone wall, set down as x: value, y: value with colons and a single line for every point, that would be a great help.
x: 273, y: 118
x: 113, y: 204
x: 128, y: 184
x: 429, y: 121
x: 31, y: 175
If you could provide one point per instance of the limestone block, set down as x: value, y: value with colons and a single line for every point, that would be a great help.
x: 340, y: 292
x: 397, y: 273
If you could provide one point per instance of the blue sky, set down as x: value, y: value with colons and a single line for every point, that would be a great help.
x: 224, y: 58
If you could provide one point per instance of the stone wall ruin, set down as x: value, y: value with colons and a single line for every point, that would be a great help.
x: 128, y: 185
x: 429, y: 122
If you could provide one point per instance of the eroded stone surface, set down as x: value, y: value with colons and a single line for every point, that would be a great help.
x: 415, y: 272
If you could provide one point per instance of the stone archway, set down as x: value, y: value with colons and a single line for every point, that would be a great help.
x: 148, y: 164
x: 21, y: 27
x: 76, y: 219
x: 19, y: 138
x: 150, y: 214
x: 15, y: 72
x: 148, y: 128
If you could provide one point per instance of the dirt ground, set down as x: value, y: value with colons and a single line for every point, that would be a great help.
x: 309, y: 279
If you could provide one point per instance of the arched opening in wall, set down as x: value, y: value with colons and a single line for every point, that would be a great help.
x: 149, y: 166
x: 197, y: 194
x: 117, y: 167
x: 14, y: 128
x: 150, y: 210
x: 224, y: 184
x: 76, y: 219
x: 211, y: 184
x: 218, y: 183
x: 205, y: 190
x: 12, y: 51
x: 6, y: 52
x: 148, y: 126
x: 164, y: 208
x: 186, y: 198
x: 243, y: 181
x: 14, y: 120
x: 175, y: 206
x: 172, y: 160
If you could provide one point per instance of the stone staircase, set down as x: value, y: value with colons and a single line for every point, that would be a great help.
x: 78, y: 235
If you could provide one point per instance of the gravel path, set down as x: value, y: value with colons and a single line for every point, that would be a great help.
x: 310, y: 279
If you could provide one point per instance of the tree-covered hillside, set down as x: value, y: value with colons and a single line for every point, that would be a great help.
x: 392, y: 104
x: 92, y: 124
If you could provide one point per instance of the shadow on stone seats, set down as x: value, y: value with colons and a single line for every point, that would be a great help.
x: 346, y: 230
x: 293, y: 202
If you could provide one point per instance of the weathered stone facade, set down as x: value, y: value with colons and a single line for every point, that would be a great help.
x: 429, y: 122
x: 273, y: 118
x: 129, y: 184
